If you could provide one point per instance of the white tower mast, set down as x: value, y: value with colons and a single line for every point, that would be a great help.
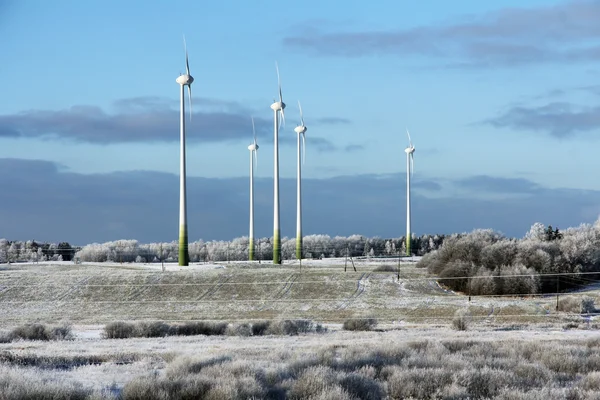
x: 301, y: 131
x: 183, y: 80
x: 277, y: 107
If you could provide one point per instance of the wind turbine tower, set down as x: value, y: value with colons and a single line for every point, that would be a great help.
x: 410, y: 165
x: 301, y: 131
x: 183, y: 80
x: 277, y: 107
x: 253, y: 159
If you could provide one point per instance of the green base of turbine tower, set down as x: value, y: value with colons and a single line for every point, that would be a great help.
x: 276, y: 248
x: 408, y: 249
x: 184, y: 256
x: 251, y: 249
x: 299, y: 246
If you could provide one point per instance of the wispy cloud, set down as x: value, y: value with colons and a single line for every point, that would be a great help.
x: 140, y: 119
x: 558, y: 119
x: 493, y: 184
x: 143, y: 119
x: 566, y: 32
x: 354, y: 147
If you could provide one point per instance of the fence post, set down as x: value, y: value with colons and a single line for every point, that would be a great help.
x: 557, y: 289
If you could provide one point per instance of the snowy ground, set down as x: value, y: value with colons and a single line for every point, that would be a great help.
x: 409, y: 305
x: 326, y: 291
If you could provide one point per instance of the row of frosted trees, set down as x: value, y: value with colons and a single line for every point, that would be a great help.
x: 30, y: 250
x: 546, y: 260
x: 315, y: 246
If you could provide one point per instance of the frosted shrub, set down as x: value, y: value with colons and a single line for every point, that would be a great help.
x: 239, y: 330
x: 587, y: 305
x: 569, y: 304
x: 313, y: 381
x: 484, y: 382
x: 576, y: 304
x: 461, y: 319
x: 290, y: 327
x: 153, y: 329
x: 40, y: 332
x: 418, y: 383
x: 260, y: 328
x: 119, y: 330
x: 31, y: 332
x: 359, y: 324
x: 15, y: 385
x: 361, y: 387
x: 201, y: 328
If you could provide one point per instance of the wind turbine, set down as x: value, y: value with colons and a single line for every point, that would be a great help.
x: 183, y: 80
x: 301, y: 131
x: 253, y: 159
x: 277, y: 107
x: 410, y: 165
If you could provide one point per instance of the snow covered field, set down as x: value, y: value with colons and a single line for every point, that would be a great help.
x: 409, y: 305
x: 326, y: 291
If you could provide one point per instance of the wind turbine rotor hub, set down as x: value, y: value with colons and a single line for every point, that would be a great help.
x: 409, y: 150
x: 253, y: 147
x: 300, y: 129
x: 278, y: 105
x: 184, y: 80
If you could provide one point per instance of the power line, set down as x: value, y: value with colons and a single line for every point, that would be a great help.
x: 400, y: 317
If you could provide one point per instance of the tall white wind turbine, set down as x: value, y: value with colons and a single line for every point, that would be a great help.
x: 183, y: 80
x: 277, y: 107
x: 301, y: 131
x: 253, y: 159
x: 410, y: 164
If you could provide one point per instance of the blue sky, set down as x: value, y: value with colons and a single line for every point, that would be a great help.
x: 502, y: 100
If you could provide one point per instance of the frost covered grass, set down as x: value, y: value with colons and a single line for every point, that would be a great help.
x: 407, y: 363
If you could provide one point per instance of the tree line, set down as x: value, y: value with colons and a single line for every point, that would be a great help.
x: 30, y: 250
x: 314, y: 246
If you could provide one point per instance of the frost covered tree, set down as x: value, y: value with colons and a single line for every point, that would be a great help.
x: 4, y: 245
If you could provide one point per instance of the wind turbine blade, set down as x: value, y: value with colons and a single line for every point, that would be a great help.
x: 409, y: 140
x: 253, y: 130
x: 190, y: 98
x: 303, y: 148
x: 301, y: 116
x: 278, y: 81
x: 187, y: 64
x: 282, y: 117
x: 412, y: 164
x: 255, y: 157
